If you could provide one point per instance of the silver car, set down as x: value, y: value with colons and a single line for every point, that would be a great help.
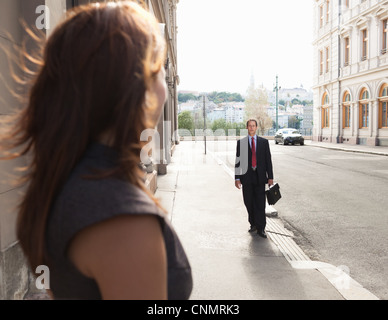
x: 289, y: 136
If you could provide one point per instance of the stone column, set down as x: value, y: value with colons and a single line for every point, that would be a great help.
x: 318, y: 125
x: 373, y: 123
x: 355, y: 122
x: 57, y: 10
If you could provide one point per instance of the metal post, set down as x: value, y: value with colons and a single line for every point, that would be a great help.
x: 276, y: 89
x: 204, y: 121
x: 339, y: 73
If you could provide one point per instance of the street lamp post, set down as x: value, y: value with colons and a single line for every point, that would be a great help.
x: 276, y: 89
x: 204, y: 120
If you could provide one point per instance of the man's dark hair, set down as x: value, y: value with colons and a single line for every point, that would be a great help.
x: 252, y: 120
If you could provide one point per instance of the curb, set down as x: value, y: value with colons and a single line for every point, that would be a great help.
x: 373, y: 152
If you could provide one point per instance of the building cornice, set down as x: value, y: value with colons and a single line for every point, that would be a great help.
x: 379, y: 10
x: 357, y: 75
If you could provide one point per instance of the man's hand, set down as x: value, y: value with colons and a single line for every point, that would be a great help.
x: 270, y: 182
x: 238, y: 184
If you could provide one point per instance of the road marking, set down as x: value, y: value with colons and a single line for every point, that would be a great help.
x: 337, y: 276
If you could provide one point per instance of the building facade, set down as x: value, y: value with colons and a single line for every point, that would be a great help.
x: 351, y: 71
x: 165, y: 12
x: 42, y: 16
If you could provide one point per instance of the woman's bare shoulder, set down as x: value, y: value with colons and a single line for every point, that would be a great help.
x: 125, y: 255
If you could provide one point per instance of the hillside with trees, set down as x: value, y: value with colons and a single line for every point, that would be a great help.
x: 184, y: 97
x: 216, y: 97
x: 220, y: 97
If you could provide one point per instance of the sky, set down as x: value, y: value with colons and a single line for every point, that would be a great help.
x: 222, y: 43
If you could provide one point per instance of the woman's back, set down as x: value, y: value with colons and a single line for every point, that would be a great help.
x: 84, y: 202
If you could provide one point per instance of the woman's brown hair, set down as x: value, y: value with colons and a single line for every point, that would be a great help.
x: 97, y: 67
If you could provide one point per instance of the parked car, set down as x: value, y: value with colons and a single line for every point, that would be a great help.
x: 289, y: 136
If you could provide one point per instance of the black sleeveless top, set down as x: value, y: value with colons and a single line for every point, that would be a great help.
x: 83, y: 202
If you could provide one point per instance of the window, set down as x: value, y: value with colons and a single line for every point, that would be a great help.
x: 364, y: 52
x: 321, y: 62
x: 346, y: 110
x: 385, y: 35
x: 364, y: 108
x: 383, y: 106
x: 321, y: 16
x: 327, y: 59
x: 327, y: 11
x: 347, y: 51
x: 325, y: 117
x: 325, y: 111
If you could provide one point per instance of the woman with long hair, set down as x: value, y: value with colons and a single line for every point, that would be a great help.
x: 86, y: 213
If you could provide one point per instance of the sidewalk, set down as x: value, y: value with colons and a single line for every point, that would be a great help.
x: 382, y: 151
x: 229, y: 263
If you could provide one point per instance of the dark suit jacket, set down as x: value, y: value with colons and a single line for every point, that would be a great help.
x: 244, y: 161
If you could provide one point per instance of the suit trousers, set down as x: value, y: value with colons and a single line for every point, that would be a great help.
x: 255, y: 201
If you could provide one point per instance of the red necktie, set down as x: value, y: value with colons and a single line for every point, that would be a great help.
x: 253, y: 153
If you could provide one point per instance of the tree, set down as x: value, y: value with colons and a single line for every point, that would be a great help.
x: 221, y: 124
x: 256, y: 102
x: 185, y: 121
x: 294, y: 122
x: 199, y: 122
x: 184, y: 97
x: 220, y: 97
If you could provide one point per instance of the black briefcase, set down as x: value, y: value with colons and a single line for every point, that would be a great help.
x: 273, y: 194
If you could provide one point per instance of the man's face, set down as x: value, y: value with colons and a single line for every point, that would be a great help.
x: 252, y: 128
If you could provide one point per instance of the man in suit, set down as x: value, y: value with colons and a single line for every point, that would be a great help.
x: 253, y: 171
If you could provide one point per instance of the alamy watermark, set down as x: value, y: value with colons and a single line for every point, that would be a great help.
x: 43, y: 20
x: 43, y: 280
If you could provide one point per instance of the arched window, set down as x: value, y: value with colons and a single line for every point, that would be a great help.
x: 346, y: 110
x: 383, y: 102
x: 325, y: 111
x: 364, y: 108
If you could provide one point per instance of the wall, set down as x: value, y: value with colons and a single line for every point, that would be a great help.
x: 14, y: 275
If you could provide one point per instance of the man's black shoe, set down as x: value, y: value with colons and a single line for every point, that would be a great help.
x: 252, y: 229
x: 262, y: 233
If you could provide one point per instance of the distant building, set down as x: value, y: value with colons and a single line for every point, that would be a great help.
x: 295, y: 93
x: 289, y: 94
x: 308, y: 117
x: 282, y: 120
x: 216, y: 114
x: 350, y: 72
x: 234, y: 112
x: 187, y: 106
x: 297, y: 109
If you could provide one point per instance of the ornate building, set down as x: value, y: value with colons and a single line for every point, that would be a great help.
x: 351, y: 71
x: 15, y: 279
x: 165, y: 12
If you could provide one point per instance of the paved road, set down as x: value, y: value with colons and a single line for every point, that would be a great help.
x: 336, y: 204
